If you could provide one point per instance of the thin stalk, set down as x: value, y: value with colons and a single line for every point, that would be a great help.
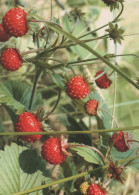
x: 111, y: 117
x: 91, y: 32
x: 128, y: 159
x: 88, y: 60
x: 82, y: 44
x: 55, y: 106
x: 59, y: 181
x: 70, y: 132
x: 85, y: 146
x: 38, y: 73
x: 132, y: 141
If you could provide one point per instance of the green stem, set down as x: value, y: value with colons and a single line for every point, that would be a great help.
x: 91, y: 32
x: 55, y: 106
x: 128, y: 159
x: 88, y: 60
x: 59, y: 181
x: 38, y: 72
x: 70, y: 132
x: 82, y: 44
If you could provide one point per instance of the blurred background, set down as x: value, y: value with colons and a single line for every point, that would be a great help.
x: 96, y: 14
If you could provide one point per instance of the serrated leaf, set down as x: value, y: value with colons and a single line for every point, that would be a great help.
x: 88, y: 154
x: 7, y: 98
x: 22, y: 93
x: 21, y: 169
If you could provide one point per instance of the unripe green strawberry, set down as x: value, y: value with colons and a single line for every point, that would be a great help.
x: 52, y: 151
x: 28, y: 122
x: 3, y: 36
x: 15, y: 22
x: 11, y: 59
x: 84, y: 187
x: 77, y: 88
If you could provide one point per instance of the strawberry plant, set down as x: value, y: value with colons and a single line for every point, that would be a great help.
x: 63, y: 125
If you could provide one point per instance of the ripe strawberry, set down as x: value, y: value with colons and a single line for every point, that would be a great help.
x: 77, y: 88
x: 15, y: 23
x: 3, y: 36
x: 11, y: 59
x: 103, y: 81
x: 122, y: 141
x: 95, y: 189
x: 83, y: 187
x: 28, y: 122
x: 52, y: 151
x: 91, y: 107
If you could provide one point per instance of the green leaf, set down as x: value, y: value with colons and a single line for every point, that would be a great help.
x: 7, y: 98
x: 22, y: 93
x: 88, y: 154
x: 21, y: 169
x: 58, y: 80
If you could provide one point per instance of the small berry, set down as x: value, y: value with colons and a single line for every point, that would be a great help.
x: 84, y: 187
x: 77, y: 88
x: 3, y: 36
x: 11, y: 59
x: 95, y: 189
x: 91, y: 107
x: 28, y: 122
x: 121, y: 141
x: 52, y: 151
x: 15, y: 23
x: 103, y: 81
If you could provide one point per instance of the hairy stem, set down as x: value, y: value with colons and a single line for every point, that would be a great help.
x: 70, y: 132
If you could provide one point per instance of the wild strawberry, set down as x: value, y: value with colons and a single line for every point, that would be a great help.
x: 95, y: 189
x: 11, y: 59
x: 52, y: 151
x: 122, y: 141
x: 28, y: 122
x: 3, y: 36
x: 77, y: 88
x: 15, y: 23
x: 103, y: 81
x: 91, y: 107
x: 83, y: 187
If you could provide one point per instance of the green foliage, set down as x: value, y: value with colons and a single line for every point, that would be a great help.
x: 7, y: 98
x: 67, y: 169
x: 21, y: 169
x: 88, y: 154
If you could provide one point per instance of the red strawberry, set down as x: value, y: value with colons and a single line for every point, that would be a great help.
x: 15, y: 23
x: 3, y: 36
x: 95, y: 189
x: 103, y: 81
x: 91, y: 107
x: 122, y: 142
x: 52, y: 151
x: 77, y: 88
x: 28, y: 122
x: 11, y: 59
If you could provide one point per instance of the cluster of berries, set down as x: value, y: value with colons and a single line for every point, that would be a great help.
x: 14, y: 24
x: 78, y: 88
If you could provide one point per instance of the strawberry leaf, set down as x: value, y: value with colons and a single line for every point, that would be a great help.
x: 21, y: 169
x: 88, y: 154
